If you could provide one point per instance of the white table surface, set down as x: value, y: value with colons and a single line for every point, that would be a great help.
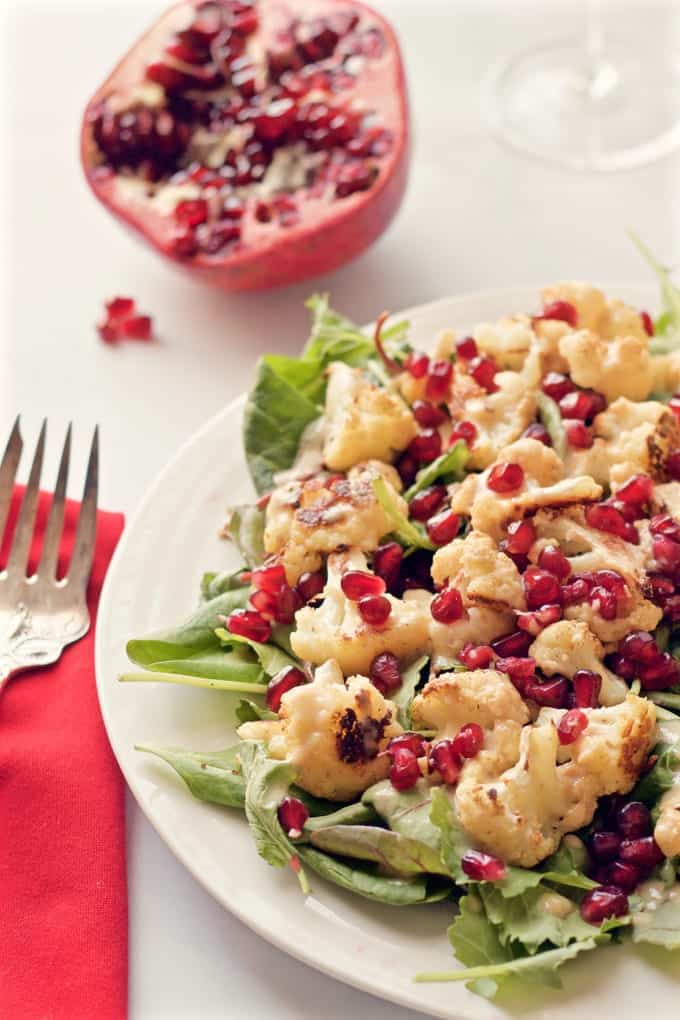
x: 476, y: 216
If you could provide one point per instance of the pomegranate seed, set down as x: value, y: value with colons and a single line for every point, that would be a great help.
x: 571, y: 725
x: 604, y: 846
x: 578, y: 435
x: 540, y: 588
x: 249, y: 624
x: 520, y: 671
x: 520, y: 560
x: 505, y: 477
x: 537, y: 620
x: 539, y: 433
x: 673, y: 465
x: 476, y: 656
x: 642, y: 853
x: 662, y: 587
x: 577, y: 405
x: 245, y: 22
x: 269, y: 578
x: 634, y: 820
x: 586, y: 685
x: 466, y: 348
x: 310, y: 584
x: 612, y: 581
x: 603, y: 602
x: 464, y: 430
x: 284, y: 681
x: 444, y: 759
x: 426, y: 503
x: 483, y: 370
x: 264, y: 603
x: 671, y: 608
x: 447, y: 606
x: 357, y: 584
x: 603, y: 902
x: 387, y: 560
x: 404, y: 770
x: 666, y: 552
x: 663, y: 524
x: 647, y: 323
x: 674, y: 405
x: 428, y: 415
x: 639, y: 646
x: 426, y: 446
x: 374, y: 610
x: 439, y: 379
x: 515, y: 645
x: 292, y: 815
x: 577, y: 590
x: 385, y: 673
x: 621, y: 666
x: 553, y: 560
x: 191, y: 212
x: 556, y: 385
x: 552, y: 692
x: 469, y: 740
x: 659, y: 675
x: 275, y: 119
x: 606, y: 518
x: 630, y: 512
x: 638, y: 489
x: 521, y: 537
x: 287, y: 602
x: 417, y: 364
x: 482, y: 867
x: 137, y: 327
x: 443, y: 528
x: 407, y: 466
x: 119, y: 308
x: 564, y: 311
x: 411, y: 741
x: 624, y: 876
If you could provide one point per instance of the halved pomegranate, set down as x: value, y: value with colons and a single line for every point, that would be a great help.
x: 254, y: 143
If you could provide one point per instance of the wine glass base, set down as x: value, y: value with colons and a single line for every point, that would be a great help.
x: 550, y: 104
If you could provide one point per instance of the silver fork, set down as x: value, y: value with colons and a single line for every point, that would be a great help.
x: 40, y: 615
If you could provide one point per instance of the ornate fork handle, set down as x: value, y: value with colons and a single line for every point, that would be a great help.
x: 22, y: 648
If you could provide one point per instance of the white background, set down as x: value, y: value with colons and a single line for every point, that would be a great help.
x: 476, y: 216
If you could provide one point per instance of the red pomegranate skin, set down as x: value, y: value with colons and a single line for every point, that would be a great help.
x: 331, y: 232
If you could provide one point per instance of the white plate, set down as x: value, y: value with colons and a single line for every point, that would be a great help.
x: 153, y: 581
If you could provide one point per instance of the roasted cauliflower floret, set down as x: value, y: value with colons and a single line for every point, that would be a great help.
x: 333, y: 733
x: 617, y: 368
x: 607, y: 317
x: 508, y: 341
x: 479, y: 625
x: 336, y: 630
x: 667, y: 828
x: 307, y: 520
x: 667, y: 498
x: 363, y: 421
x: 666, y: 369
x: 570, y: 645
x: 451, y: 700
x: 522, y: 814
x: 480, y: 571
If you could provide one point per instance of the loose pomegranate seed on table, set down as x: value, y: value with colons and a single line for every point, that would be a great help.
x: 482, y: 867
x: 466, y: 348
x: 603, y: 902
x: 123, y: 323
x: 404, y: 768
x: 444, y: 759
x: 249, y: 624
x: 469, y: 740
x: 571, y: 726
x: 447, y: 606
x: 426, y: 503
x: 443, y: 527
x: 284, y: 681
x: 292, y: 815
x: 357, y: 584
x: 385, y: 673
x: 505, y: 477
x: 374, y: 610
x: 476, y: 656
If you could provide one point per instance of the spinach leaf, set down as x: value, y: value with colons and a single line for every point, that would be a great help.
x: 271, y: 658
x: 659, y: 926
x: 334, y: 337
x: 406, y: 532
x: 397, y: 892
x: 550, y: 415
x: 667, y: 326
x: 212, y: 776
x: 249, y: 711
x: 214, y: 584
x: 661, y: 776
x: 400, y: 855
x: 525, y: 919
x: 246, y: 530
x: 403, y: 698
x: 449, y: 467
x: 406, y: 812
x: 453, y: 839
x: 350, y: 814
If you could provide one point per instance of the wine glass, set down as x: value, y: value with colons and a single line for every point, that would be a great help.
x: 595, y: 103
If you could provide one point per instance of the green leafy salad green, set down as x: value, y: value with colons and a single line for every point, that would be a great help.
x: 399, y: 847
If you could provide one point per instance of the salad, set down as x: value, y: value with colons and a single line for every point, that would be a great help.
x: 456, y: 631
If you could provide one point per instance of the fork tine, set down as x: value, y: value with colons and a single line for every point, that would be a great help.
x: 55, y: 522
x: 8, y: 472
x: 86, y: 531
x: 23, y: 535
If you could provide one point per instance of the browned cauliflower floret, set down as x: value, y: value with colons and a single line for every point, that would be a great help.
x: 508, y: 341
x: 522, y: 814
x: 451, y: 700
x: 332, y: 734
x: 570, y: 645
x: 336, y: 630
x: 667, y: 498
x: 363, y: 421
x: 480, y: 571
x: 607, y: 317
x: 479, y: 626
x: 617, y: 368
x: 630, y: 438
x: 666, y: 369
x: 306, y: 520
x: 667, y: 828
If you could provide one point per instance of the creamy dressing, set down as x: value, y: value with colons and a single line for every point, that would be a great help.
x: 309, y: 459
x: 556, y: 905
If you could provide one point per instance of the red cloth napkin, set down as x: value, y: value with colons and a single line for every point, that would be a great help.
x: 63, y: 897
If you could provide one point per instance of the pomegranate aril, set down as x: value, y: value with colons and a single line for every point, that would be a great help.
x: 659, y: 675
x: 623, y: 667
x: 603, y: 602
x: 466, y: 348
x: 287, y: 602
x: 417, y: 364
x: 249, y: 624
x: 483, y: 370
x: 539, y: 433
x: 634, y: 820
x: 428, y: 415
x: 426, y: 446
x: 540, y: 588
x: 604, y: 846
x: 647, y: 322
x: 666, y: 552
x: 638, y: 489
x: 673, y: 465
x: 607, y: 518
x: 671, y: 608
x: 562, y: 310
x: 353, y: 178
x: 520, y: 670
x: 482, y: 867
x: 571, y: 725
x: 551, y: 693
x: 439, y: 378
x: 515, y: 645
x: 310, y: 584
x: 284, y: 681
x: 137, y: 327
x: 447, y: 606
x: 357, y: 584
x: 624, y: 876
x: 404, y: 769
x: 275, y: 119
x: 407, y: 467
x: 426, y: 503
x: 264, y: 603
x: 443, y: 527
x: 385, y: 673
x: 662, y: 587
x: 245, y: 22
x: 674, y: 405
x: 444, y: 758
x: 521, y: 535
x: 537, y: 620
x: 469, y: 740
x: 413, y: 742
x: 612, y: 581
x: 191, y: 212
x: 292, y: 815
x: 586, y: 685
x: 119, y: 308
x: 603, y: 902
x: 269, y: 578
x: 575, y: 591
x: 374, y: 610
x: 556, y: 385
x: 663, y: 524
x: 578, y: 435
x: 476, y: 656
x: 639, y: 646
x: 387, y: 560
x: 642, y: 853
x: 555, y: 562
x: 505, y: 477
x: 464, y: 430
x: 577, y: 405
